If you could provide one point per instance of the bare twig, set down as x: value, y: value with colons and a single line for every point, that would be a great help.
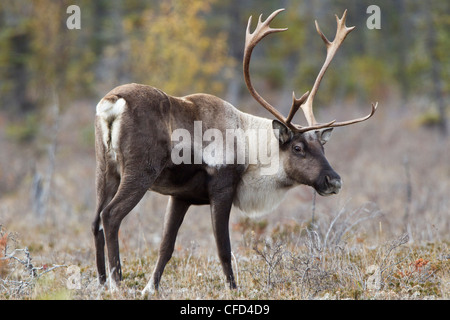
x: 272, y: 254
x: 17, y: 287
x: 408, y: 189
x: 313, y: 209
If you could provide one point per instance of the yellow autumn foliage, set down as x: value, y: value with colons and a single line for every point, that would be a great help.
x: 170, y: 49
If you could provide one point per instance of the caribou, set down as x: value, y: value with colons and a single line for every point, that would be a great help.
x: 147, y: 140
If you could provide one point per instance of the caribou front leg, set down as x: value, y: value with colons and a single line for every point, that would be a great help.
x: 176, y: 210
x: 220, y: 215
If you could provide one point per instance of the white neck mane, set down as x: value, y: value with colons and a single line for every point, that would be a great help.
x: 259, y: 193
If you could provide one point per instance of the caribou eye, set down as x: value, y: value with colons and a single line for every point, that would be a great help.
x: 298, y: 149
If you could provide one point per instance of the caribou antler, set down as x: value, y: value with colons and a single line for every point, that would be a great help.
x: 251, y: 40
x: 341, y: 33
x: 305, y: 102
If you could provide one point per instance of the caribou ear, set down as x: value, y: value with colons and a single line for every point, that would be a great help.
x: 283, y: 133
x: 324, y: 135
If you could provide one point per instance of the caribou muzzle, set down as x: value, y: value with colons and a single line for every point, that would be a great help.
x: 331, y: 184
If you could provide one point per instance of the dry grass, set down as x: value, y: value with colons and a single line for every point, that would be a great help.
x: 385, y: 236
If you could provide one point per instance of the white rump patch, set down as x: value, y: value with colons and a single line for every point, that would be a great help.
x: 110, y: 119
x: 107, y: 108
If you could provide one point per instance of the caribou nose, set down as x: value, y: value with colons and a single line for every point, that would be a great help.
x: 334, y: 184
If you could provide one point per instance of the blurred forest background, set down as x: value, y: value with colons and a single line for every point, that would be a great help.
x: 184, y: 47
x: 52, y: 77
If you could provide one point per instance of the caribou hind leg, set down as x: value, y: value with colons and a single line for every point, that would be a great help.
x: 107, y: 182
x: 104, y: 196
x: 127, y: 197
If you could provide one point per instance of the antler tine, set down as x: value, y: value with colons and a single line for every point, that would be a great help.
x: 341, y: 32
x: 251, y: 40
x: 262, y: 30
x: 296, y: 103
x: 348, y: 122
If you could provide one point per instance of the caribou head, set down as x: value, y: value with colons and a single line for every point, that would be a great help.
x: 301, y: 147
